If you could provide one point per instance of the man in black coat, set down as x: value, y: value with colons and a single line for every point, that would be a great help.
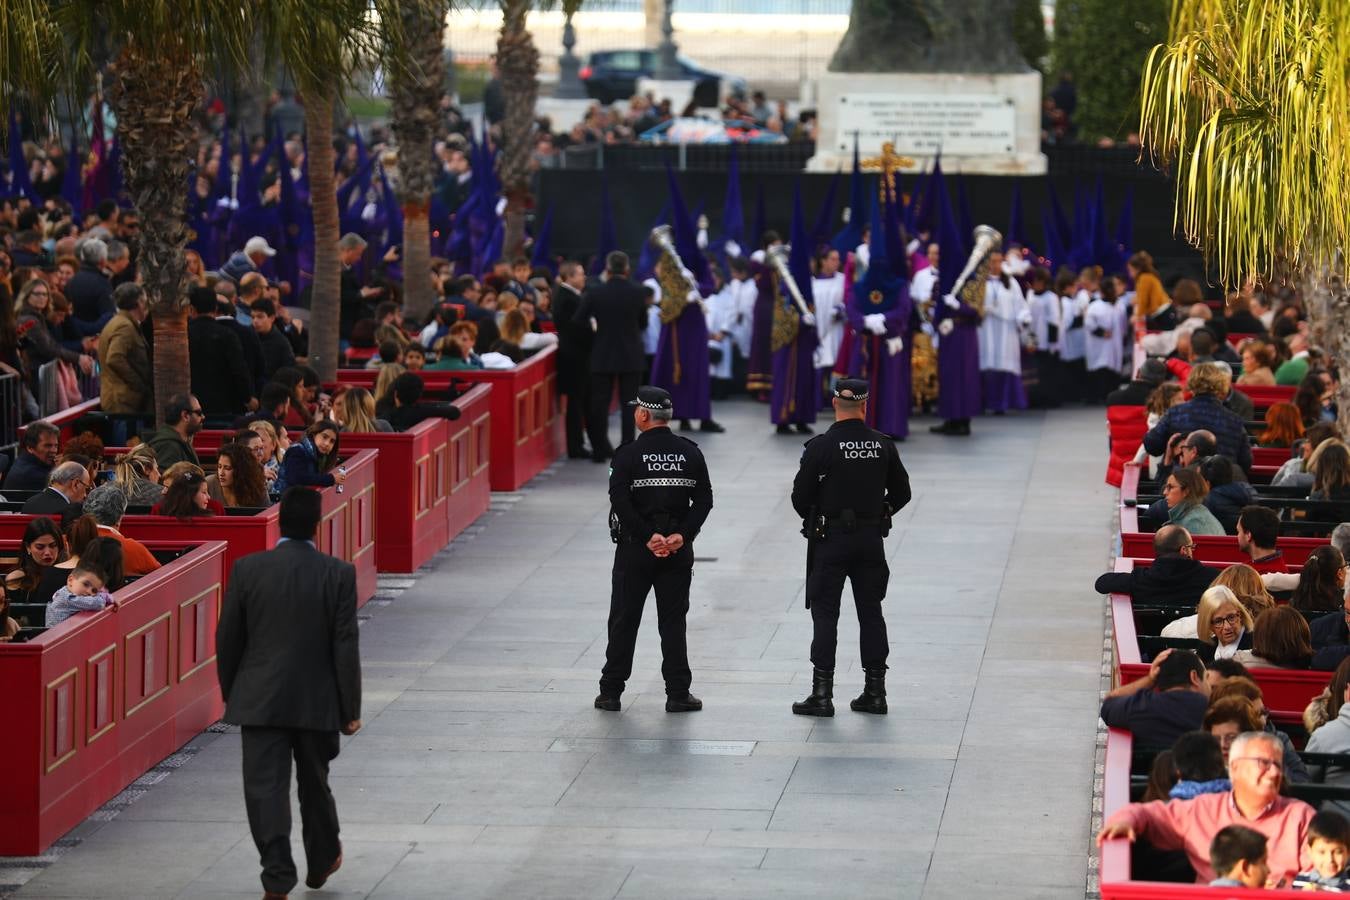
x: 574, y: 354
x: 89, y: 290
x: 289, y: 661
x: 1175, y: 578
x: 37, y: 455
x: 221, y: 380
x: 1152, y: 373
x: 247, y: 337
x: 618, y: 309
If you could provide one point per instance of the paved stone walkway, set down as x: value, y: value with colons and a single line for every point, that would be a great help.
x: 483, y: 771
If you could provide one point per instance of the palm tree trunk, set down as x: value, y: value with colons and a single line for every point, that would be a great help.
x: 325, y: 306
x: 415, y: 103
x: 418, y: 295
x: 153, y: 92
x: 518, y: 62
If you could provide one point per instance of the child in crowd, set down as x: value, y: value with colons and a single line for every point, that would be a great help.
x: 415, y: 358
x: 83, y: 591
x: 1200, y: 767
x: 1238, y: 856
x: 1329, y: 847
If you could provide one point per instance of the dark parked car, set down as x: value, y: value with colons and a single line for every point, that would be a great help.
x: 612, y: 75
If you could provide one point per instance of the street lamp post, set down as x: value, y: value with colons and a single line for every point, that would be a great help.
x: 569, y: 82
x: 667, y: 69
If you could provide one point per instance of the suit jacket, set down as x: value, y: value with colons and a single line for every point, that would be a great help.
x: 1171, y: 580
x: 50, y: 502
x: 619, y: 309
x: 287, y: 646
x: 574, y: 339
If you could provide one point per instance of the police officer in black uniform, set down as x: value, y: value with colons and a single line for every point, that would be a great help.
x: 850, y: 482
x: 659, y: 497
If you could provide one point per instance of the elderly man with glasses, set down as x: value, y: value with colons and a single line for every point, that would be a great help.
x: 66, y: 490
x: 1255, y: 766
x: 1174, y: 578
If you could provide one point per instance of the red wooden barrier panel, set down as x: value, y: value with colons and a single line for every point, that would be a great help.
x: 1222, y: 548
x: 527, y: 431
x: 92, y: 704
x: 433, y: 480
x: 346, y: 532
x: 1262, y: 396
x: 1270, y: 456
x: 1115, y: 855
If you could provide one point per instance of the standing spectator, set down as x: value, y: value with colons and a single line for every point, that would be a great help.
x: 354, y: 300
x: 574, y: 355
x: 248, y: 338
x: 1152, y: 307
x: 172, y: 442
x: 289, y: 662
x: 221, y: 379
x: 36, y: 341
x: 617, y: 313
x: 127, y: 383
x: 256, y: 252
x: 33, y: 467
x: 277, y: 352
x: 89, y: 290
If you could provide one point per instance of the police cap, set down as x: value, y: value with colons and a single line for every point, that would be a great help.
x: 854, y: 389
x: 649, y: 397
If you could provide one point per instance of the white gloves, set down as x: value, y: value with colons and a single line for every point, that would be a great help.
x: 945, y: 327
x: 927, y: 328
x: 875, y: 323
x: 895, y: 345
x: 808, y: 320
x: 951, y: 302
x: 733, y: 248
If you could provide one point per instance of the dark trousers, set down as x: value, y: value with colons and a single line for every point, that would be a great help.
x: 578, y: 400
x: 636, y: 572
x: 267, y: 797
x: 861, y: 558
x: 602, y: 389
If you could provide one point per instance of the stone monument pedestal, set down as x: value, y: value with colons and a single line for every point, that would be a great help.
x: 982, y: 124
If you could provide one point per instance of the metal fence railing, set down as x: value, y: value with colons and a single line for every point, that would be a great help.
x: 58, y: 391
x: 11, y: 411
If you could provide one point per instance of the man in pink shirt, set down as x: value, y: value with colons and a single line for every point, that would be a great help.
x: 1255, y: 768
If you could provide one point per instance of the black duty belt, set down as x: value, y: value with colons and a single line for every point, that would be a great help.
x: 857, y: 520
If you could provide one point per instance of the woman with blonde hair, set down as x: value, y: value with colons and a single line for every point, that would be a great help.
x: 194, y: 268
x: 385, y: 380
x: 136, y: 474
x: 1249, y: 587
x: 274, y: 446
x: 354, y: 410
x: 1220, y: 619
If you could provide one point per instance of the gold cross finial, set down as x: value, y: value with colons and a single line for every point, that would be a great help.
x: 889, y: 162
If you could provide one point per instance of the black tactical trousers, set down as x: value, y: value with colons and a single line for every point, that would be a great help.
x: 861, y: 558
x: 636, y: 572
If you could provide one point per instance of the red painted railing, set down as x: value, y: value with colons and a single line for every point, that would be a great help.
x: 346, y: 532
x: 96, y: 701
x: 527, y: 430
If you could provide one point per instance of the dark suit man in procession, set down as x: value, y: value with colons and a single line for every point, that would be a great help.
x: 289, y: 662
x: 849, y: 484
x: 618, y: 309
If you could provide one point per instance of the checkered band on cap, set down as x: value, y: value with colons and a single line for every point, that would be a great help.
x: 851, y: 389
x: 645, y: 404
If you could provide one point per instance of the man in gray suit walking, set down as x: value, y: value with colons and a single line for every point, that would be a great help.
x: 289, y: 661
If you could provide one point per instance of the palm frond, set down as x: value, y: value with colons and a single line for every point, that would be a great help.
x: 1249, y: 101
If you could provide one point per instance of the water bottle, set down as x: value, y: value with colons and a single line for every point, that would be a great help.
x: 342, y: 470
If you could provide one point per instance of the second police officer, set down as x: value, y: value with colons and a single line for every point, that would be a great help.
x: 849, y: 484
x: 659, y: 496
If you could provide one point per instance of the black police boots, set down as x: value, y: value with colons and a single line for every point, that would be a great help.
x: 683, y: 702
x: 608, y: 702
x: 821, y: 701
x: 873, y: 697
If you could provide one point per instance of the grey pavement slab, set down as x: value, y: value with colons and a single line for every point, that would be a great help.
x: 484, y: 772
